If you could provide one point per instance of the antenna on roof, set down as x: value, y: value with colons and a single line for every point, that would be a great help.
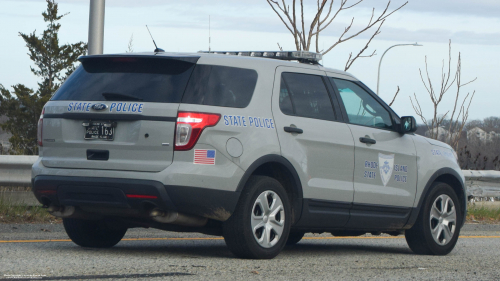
x: 157, y: 50
x: 209, y: 33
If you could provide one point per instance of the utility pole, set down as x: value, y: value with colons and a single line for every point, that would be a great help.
x: 96, y: 27
x: 209, y: 33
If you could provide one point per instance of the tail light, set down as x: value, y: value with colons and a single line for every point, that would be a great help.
x: 189, y: 128
x: 40, y: 129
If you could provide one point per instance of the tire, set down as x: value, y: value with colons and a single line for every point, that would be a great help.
x: 294, y: 238
x: 241, y: 231
x: 93, y: 234
x: 441, y: 211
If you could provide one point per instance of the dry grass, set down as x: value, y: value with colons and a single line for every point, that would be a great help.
x: 478, y: 213
x: 15, y: 188
x: 10, y: 213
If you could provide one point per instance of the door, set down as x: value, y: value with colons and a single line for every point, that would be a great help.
x: 316, y: 144
x: 385, y: 173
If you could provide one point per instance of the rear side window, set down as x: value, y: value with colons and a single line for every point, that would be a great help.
x: 128, y: 79
x: 306, y: 96
x: 221, y: 86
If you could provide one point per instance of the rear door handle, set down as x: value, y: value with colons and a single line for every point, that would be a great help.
x: 293, y: 130
x: 367, y: 140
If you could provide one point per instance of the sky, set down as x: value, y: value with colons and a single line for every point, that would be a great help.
x: 245, y: 25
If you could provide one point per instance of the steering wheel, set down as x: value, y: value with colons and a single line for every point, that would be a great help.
x: 368, y: 109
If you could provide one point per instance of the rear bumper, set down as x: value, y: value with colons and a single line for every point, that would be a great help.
x: 133, y: 196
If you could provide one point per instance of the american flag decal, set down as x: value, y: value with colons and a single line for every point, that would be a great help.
x: 204, y: 156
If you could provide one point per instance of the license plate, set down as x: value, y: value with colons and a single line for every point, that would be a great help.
x: 99, y: 130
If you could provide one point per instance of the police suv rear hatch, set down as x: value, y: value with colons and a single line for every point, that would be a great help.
x: 116, y: 113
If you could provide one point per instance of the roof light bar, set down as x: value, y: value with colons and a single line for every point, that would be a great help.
x: 301, y: 56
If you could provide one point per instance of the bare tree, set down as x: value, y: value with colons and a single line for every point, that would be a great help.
x: 460, y: 111
x: 303, y: 37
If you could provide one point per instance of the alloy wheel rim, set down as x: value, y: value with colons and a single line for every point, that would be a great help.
x: 268, y: 219
x: 443, y: 219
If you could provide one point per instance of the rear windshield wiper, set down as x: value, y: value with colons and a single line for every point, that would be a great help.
x: 119, y: 97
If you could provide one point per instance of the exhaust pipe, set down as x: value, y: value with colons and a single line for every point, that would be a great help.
x: 61, y: 211
x: 176, y: 218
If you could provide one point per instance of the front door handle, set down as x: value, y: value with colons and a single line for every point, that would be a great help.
x: 293, y: 130
x: 367, y: 140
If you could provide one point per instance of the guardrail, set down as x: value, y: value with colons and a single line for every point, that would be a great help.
x: 482, y: 184
x: 15, y: 170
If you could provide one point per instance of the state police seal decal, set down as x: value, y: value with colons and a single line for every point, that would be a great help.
x: 386, y: 165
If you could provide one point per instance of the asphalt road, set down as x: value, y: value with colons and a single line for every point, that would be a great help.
x: 32, y: 251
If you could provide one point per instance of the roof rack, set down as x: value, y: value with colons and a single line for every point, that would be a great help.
x: 301, y: 56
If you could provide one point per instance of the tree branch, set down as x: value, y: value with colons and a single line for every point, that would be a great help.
x: 394, y: 98
x: 351, y: 61
x: 371, y: 23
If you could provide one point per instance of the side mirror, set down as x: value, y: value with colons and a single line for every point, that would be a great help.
x: 408, y: 125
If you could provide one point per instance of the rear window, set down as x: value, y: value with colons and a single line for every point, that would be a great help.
x: 128, y: 79
x: 221, y: 86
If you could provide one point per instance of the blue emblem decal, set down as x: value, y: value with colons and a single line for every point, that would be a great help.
x: 386, y: 168
x: 99, y: 106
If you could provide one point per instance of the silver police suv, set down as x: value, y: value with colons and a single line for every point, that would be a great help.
x: 259, y: 147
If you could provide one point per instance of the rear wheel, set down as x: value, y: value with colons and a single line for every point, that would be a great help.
x: 294, y: 238
x: 93, y: 234
x: 259, y: 227
x: 437, y: 227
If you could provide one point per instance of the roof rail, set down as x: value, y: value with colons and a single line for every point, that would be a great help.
x: 301, y: 56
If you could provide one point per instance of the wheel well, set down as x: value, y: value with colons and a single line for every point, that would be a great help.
x: 281, y: 173
x: 457, y: 187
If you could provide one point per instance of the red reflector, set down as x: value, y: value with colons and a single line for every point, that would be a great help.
x: 47, y: 191
x: 141, y: 196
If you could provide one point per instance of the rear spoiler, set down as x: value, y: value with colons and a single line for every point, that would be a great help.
x: 187, y: 58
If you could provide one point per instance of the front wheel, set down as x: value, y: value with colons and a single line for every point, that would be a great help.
x: 259, y: 227
x: 438, y: 224
x: 93, y: 234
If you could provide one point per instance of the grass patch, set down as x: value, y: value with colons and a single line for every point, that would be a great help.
x: 14, y: 188
x: 10, y: 213
x: 476, y: 213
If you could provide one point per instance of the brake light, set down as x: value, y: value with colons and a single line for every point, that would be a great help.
x: 46, y: 191
x: 141, y: 196
x: 40, y: 129
x: 189, y: 128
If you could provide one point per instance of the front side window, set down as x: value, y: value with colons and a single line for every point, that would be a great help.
x: 305, y: 95
x: 361, y: 107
